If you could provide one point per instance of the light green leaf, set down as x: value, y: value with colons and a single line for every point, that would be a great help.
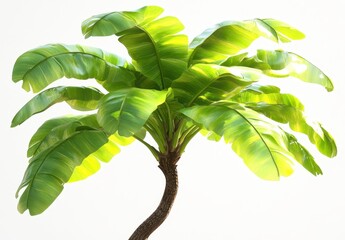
x: 207, y: 82
x: 302, y: 155
x: 280, y: 64
x: 286, y: 108
x: 285, y: 64
x: 298, y: 122
x: 80, y: 98
x: 127, y: 110
x: 51, y: 168
x: 259, y: 89
x: 115, y: 22
x: 41, y: 66
x: 261, y: 145
x: 250, y: 96
x: 286, y: 33
x: 235, y: 60
x: 216, y: 44
x: 91, y: 164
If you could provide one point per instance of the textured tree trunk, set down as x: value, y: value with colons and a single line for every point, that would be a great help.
x: 168, y: 167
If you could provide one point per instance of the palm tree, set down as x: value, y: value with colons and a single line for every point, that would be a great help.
x: 170, y: 90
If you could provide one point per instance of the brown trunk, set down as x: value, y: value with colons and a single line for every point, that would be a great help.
x: 168, y: 168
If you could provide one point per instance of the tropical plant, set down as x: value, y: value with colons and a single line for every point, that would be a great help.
x: 170, y: 89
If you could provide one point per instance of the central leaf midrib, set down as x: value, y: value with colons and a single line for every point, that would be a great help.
x: 121, y: 108
x: 202, y: 90
x: 157, y: 55
x: 261, y: 137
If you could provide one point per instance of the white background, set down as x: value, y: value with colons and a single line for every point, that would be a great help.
x: 218, y: 197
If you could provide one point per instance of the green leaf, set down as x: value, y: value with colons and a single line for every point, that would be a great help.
x: 298, y: 122
x: 157, y: 51
x: 286, y: 33
x: 44, y: 130
x: 250, y: 96
x: 278, y: 63
x: 261, y: 145
x: 41, y: 66
x: 91, y: 164
x: 302, y: 155
x: 51, y: 168
x: 216, y: 44
x: 285, y: 64
x: 235, y: 60
x: 115, y: 22
x: 207, y: 82
x: 259, y: 89
x: 127, y: 110
x: 57, y: 130
x: 286, y: 108
x: 80, y: 98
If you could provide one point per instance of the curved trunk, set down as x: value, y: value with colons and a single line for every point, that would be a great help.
x: 160, y: 214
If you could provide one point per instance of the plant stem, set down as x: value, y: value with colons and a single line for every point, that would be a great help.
x: 168, y: 166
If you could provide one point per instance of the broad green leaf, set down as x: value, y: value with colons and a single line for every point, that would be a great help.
x: 298, y: 122
x: 261, y: 145
x: 127, y: 110
x: 157, y: 50
x: 50, y: 169
x: 80, y: 98
x: 44, y: 130
x: 285, y: 64
x: 302, y: 155
x: 115, y: 22
x: 91, y: 164
x: 216, y: 44
x: 250, y: 96
x: 59, y: 129
x: 285, y: 32
x: 286, y: 108
x: 207, y: 82
x: 278, y: 63
x: 43, y: 65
